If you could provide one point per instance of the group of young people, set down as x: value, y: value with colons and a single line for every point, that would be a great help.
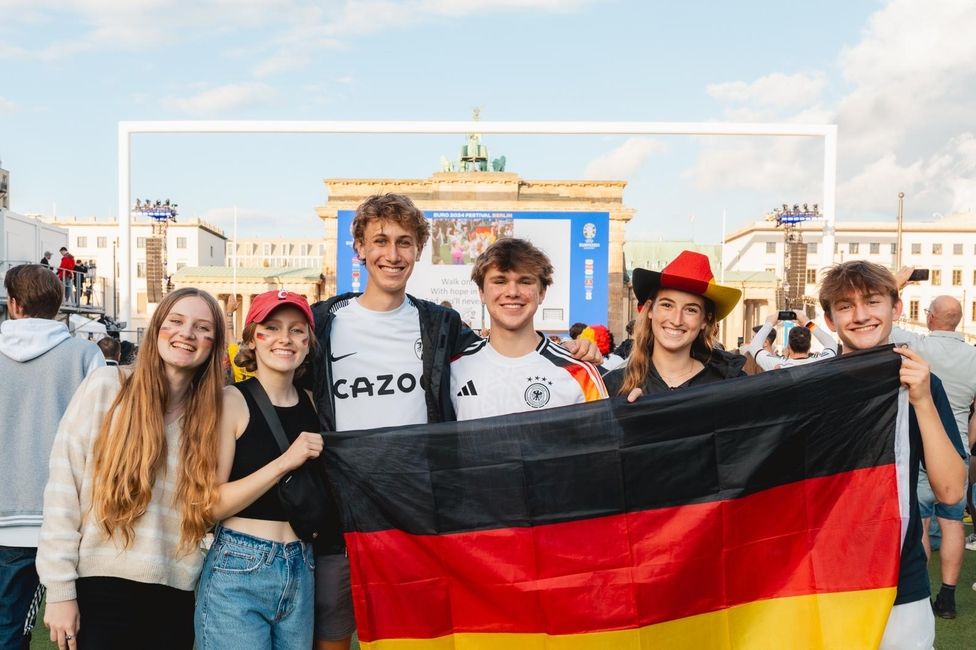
x: 146, y: 462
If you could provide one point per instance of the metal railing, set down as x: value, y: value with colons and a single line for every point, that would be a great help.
x: 84, y: 291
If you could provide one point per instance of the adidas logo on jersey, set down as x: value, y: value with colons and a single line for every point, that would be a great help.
x: 467, y: 389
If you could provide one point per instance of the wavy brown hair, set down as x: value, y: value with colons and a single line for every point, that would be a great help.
x: 639, y: 361
x: 130, y: 448
x: 246, y: 357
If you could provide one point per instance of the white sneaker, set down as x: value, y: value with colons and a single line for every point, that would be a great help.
x: 971, y: 542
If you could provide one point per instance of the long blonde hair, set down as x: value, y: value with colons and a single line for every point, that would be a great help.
x: 639, y: 361
x: 131, y: 444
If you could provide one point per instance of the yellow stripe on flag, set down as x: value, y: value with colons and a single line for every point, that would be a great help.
x: 852, y: 619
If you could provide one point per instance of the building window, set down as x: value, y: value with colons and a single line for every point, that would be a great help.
x: 811, y: 276
x: 957, y: 277
x: 937, y: 249
x: 913, y: 310
x: 972, y: 316
x: 875, y: 248
x: 770, y: 247
x: 936, y: 277
x: 957, y: 249
x: 894, y: 249
x: 181, y: 242
x: 267, y: 249
x: 141, y: 303
x: 101, y: 242
x: 180, y: 265
x: 140, y: 269
x: 140, y: 242
x: 812, y: 248
x: 82, y: 242
x: 771, y: 269
x: 853, y: 247
x: 211, y: 251
x: 916, y: 249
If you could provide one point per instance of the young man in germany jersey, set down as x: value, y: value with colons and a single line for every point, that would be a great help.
x: 517, y: 368
x: 383, y: 361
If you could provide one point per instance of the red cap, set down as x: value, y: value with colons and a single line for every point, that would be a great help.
x: 267, y: 302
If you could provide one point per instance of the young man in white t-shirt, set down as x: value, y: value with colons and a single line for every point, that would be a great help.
x: 517, y: 368
x: 384, y: 360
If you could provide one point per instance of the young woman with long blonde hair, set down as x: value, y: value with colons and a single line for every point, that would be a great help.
x: 673, y: 346
x: 132, y: 487
x: 257, y: 589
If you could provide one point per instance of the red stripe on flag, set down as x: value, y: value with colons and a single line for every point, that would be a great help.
x: 837, y: 533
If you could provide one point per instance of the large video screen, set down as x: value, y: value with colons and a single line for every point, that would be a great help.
x: 576, y: 242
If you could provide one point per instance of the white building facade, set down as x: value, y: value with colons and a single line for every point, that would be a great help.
x: 946, y: 247
x: 289, y: 253
x: 188, y: 243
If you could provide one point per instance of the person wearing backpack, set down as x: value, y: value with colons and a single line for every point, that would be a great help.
x: 257, y: 586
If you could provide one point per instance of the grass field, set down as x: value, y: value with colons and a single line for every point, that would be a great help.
x: 957, y: 634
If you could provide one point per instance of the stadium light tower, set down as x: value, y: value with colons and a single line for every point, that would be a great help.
x: 157, y: 278
x: 789, y: 219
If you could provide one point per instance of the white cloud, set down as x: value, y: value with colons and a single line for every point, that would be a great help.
x: 221, y: 99
x: 624, y: 161
x: 778, y: 90
x: 293, y: 30
x: 905, y: 123
x: 6, y: 105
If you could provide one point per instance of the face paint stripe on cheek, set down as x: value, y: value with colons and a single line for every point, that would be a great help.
x: 261, y: 336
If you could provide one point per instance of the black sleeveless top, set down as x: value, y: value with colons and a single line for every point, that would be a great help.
x: 257, y: 447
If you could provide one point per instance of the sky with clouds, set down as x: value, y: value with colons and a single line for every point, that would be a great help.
x: 897, y: 78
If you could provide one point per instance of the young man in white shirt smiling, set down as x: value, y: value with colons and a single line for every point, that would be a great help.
x: 517, y: 368
x: 384, y: 360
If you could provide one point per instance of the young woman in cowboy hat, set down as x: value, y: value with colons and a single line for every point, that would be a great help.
x: 673, y: 347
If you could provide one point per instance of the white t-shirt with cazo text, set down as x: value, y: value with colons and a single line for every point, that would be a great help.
x: 376, y: 361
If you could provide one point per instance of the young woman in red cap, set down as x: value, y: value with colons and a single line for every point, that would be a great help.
x: 673, y: 347
x: 257, y: 586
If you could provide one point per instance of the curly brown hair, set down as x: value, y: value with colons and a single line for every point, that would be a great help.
x: 391, y: 207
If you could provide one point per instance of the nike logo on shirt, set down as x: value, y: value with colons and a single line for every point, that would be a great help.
x: 334, y: 358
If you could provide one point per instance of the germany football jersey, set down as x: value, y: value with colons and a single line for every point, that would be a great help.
x: 485, y: 383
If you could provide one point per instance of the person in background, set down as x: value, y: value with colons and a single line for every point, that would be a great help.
x: 133, y: 486
x: 42, y: 365
x: 603, y: 339
x: 46, y: 259
x: 111, y: 350
x: 66, y: 273
x: 623, y: 350
x: 797, y: 352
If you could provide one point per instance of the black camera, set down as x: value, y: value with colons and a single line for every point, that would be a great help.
x: 787, y: 315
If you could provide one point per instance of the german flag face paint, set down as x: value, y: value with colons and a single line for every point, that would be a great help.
x: 673, y: 522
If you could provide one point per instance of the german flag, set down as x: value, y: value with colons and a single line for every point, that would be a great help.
x: 753, y: 513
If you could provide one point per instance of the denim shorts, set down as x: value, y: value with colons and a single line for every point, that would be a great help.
x: 927, y: 505
x: 255, y: 593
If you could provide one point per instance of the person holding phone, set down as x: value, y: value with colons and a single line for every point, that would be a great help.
x: 797, y: 352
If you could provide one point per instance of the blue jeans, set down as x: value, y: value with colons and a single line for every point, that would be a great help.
x: 18, y: 582
x: 255, y: 593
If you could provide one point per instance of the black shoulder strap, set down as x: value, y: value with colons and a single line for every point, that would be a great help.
x: 267, y: 410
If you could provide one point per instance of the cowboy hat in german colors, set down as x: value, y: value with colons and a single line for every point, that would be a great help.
x: 689, y: 272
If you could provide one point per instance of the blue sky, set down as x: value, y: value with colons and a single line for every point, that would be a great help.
x: 897, y: 77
